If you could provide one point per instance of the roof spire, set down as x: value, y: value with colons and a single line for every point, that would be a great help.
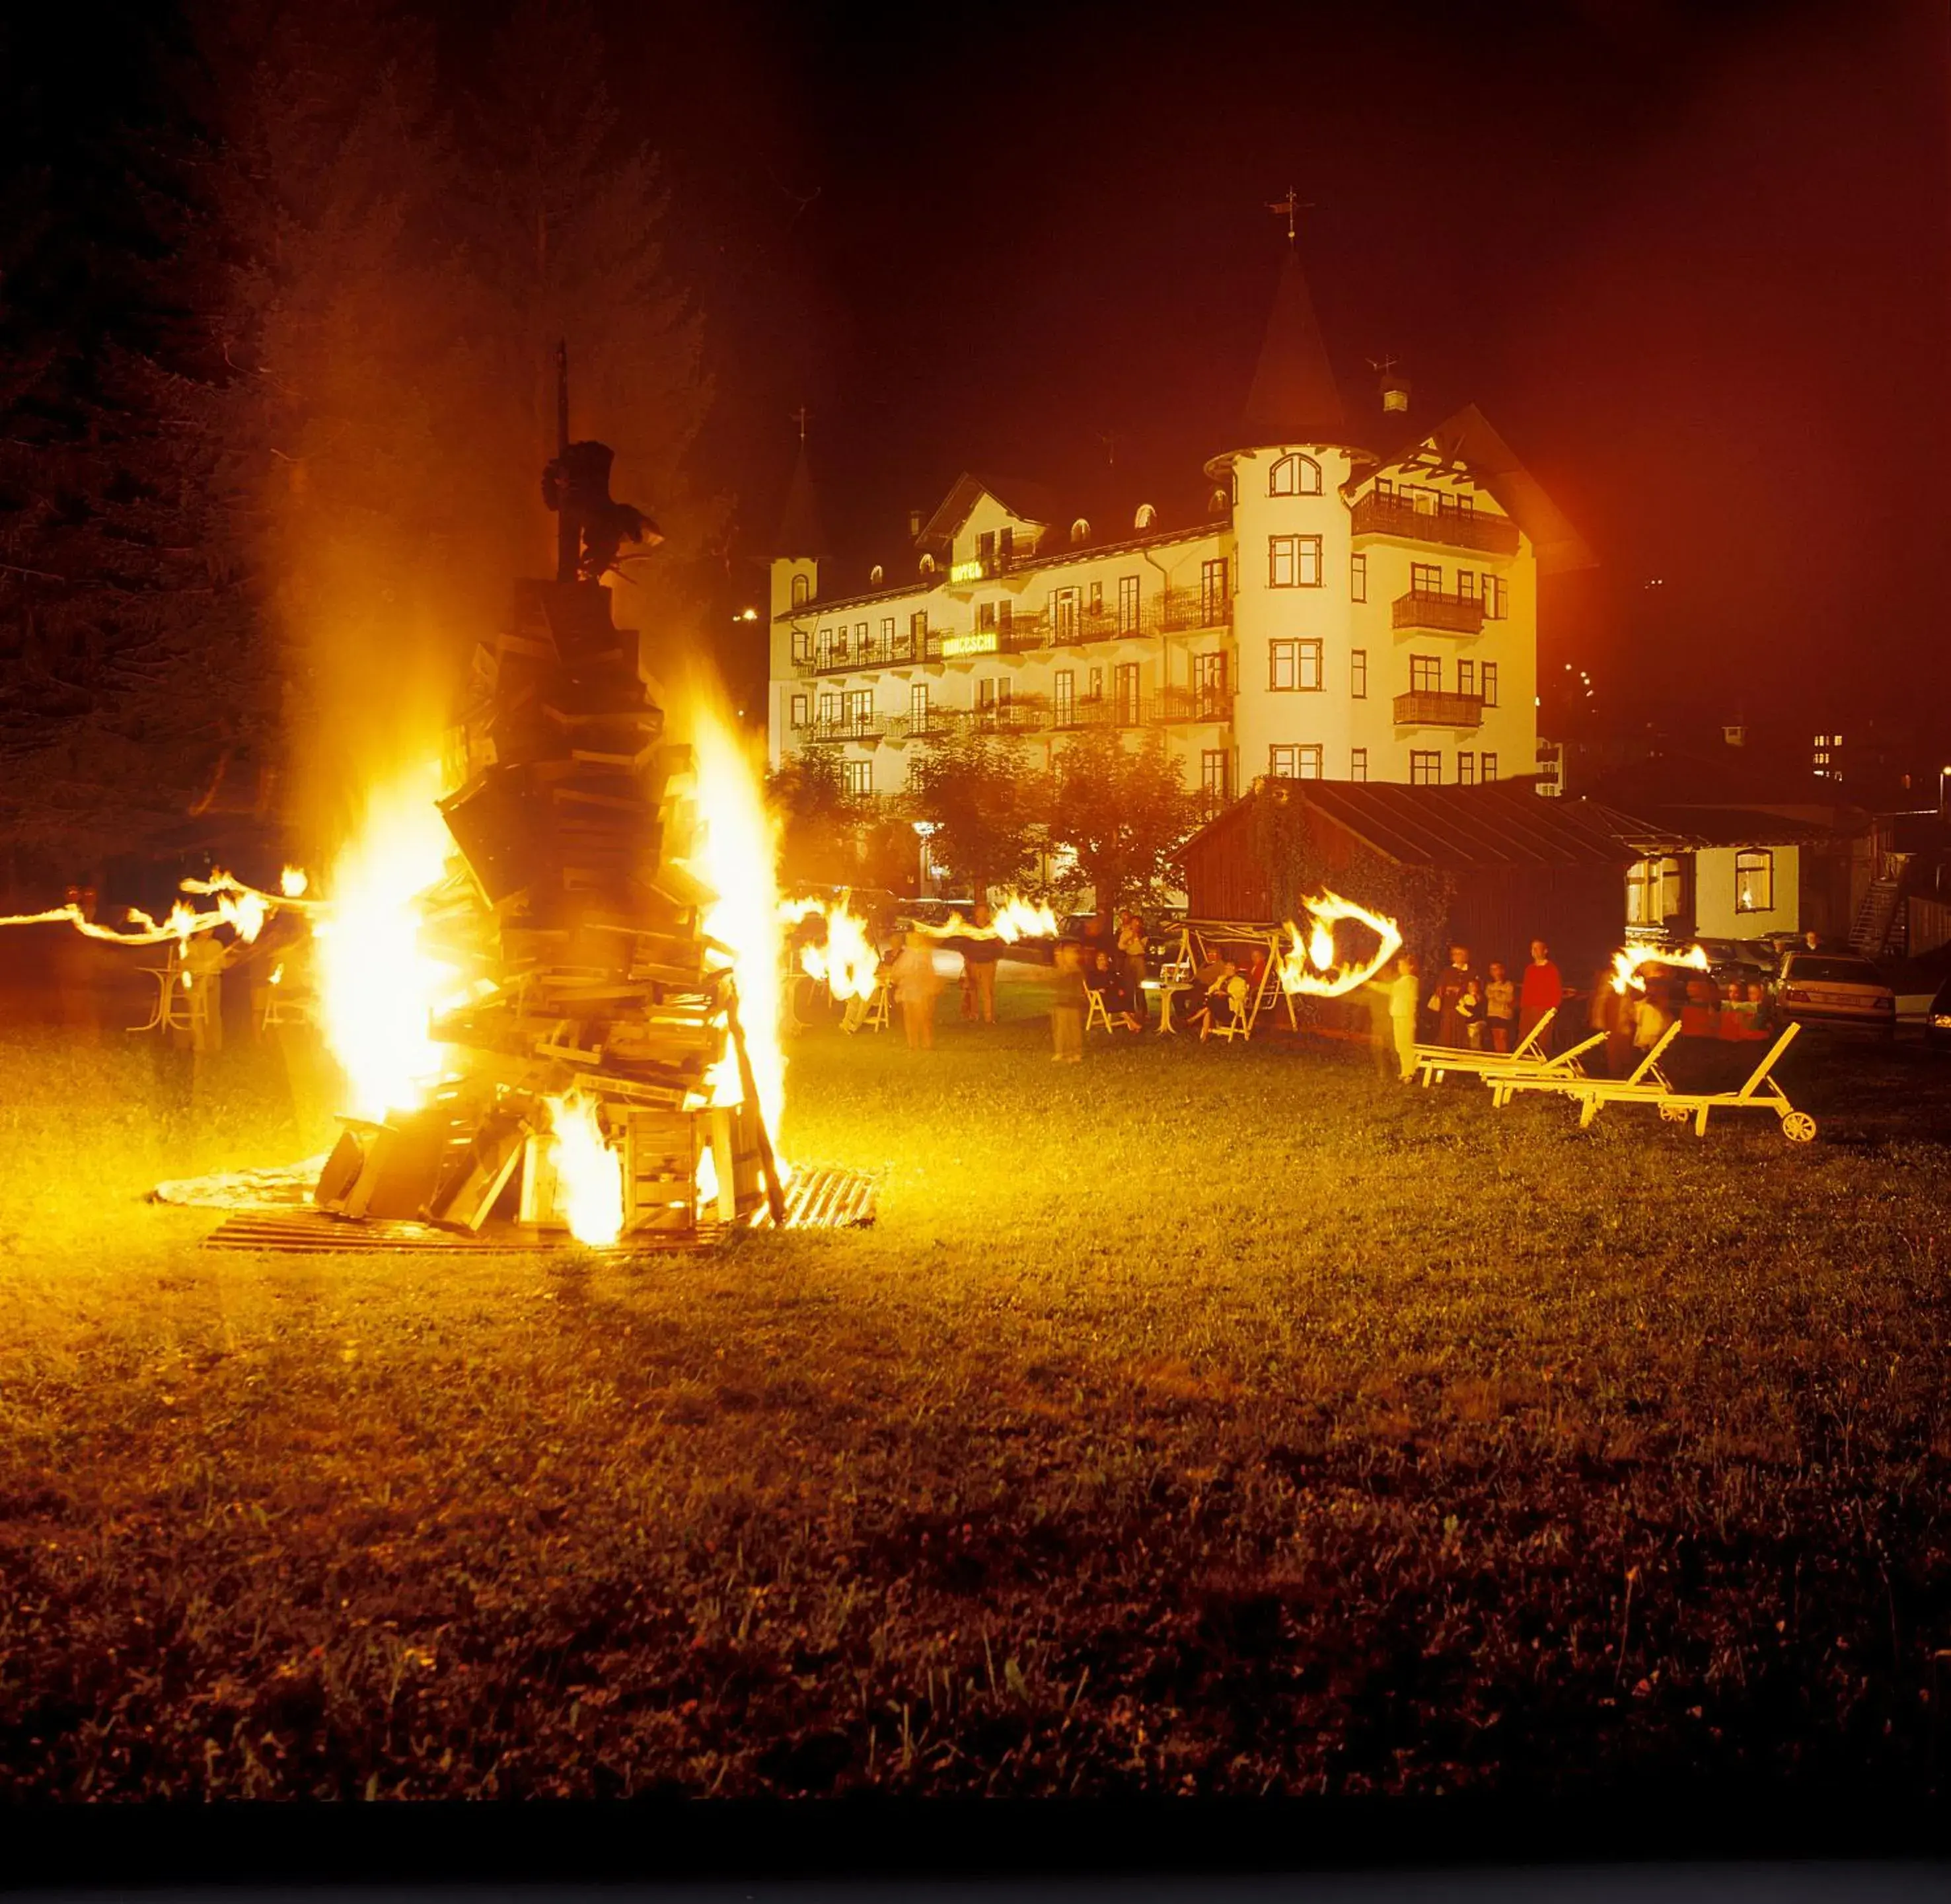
x: 1291, y: 204
x: 800, y: 535
x: 1294, y: 398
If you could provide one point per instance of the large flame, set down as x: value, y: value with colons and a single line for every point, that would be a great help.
x: 737, y: 856
x: 1011, y: 918
x: 1627, y: 961
x: 589, y: 1174
x: 1306, y: 967
x: 848, y: 962
x: 378, y: 988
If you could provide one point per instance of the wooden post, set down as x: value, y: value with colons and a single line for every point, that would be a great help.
x: 775, y: 1195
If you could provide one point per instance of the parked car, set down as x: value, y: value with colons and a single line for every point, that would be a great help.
x: 1837, y: 988
x: 1731, y: 952
x: 1937, y: 1020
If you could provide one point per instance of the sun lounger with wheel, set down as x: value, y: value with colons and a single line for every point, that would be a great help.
x: 1761, y: 1092
x: 1434, y: 1063
x: 1571, y: 1078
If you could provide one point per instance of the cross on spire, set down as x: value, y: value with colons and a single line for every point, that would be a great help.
x: 1288, y: 207
x: 802, y: 417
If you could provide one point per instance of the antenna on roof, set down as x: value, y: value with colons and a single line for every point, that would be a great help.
x: 802, y: 417
x: 1109, y: 439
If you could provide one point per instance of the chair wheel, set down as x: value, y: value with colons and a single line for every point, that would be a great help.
x: 1798, y: 1127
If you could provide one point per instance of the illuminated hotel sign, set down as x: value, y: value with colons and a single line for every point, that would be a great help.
x: 966, y: 572
x: 953, y: 647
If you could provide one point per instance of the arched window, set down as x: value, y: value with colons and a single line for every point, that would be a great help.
x: 802, y: 589
x: 1146, y: 516
x: 1219, y: 502
x: 1295, y: 475
x: 874, y: 575
x: 927, y: 565
x: 1079, y: 529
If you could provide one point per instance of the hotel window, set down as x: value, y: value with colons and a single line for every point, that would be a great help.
x: 802, y: 645
x: 1497, y: 599
x: 1425, y: 674
x: 1358, y: 674
x: 829, y: 706
x: 1283, y: 762
x: 1096, y: 603
x: 1293, y: 561
x: 859, y: 776
x: 1006, y: 619
x: 1358, y: 578
x: 1063, y: 614
x: 985, y: 548
x: 1425, y: 769
x: 1466, y: 770
x: 1295, y: 475
x: 802, y: 590
x: 1127, y: 684
x: 798, y: 714
x: 1213, y: 593
x: 1128, y: 605
x: 918, y: 707
x: 1294, y: 666
x: 1487, y: 768
x: 1490, y: 684
x: 918, y: 628
x: 1466, y: 677
x: 1358, y: 764
x: 1097, y: 684
x: 826, y: 648
x: 887, y: 634
x: 860, y: 709
x: 1209, y: 687
x: 1307, y: 762
x: 1754, y: 880
x: 985, y: 614
x: 1216, y: 776
x: 1425, y: 578
x: 1066, y: 697
x: 1006, y: 543
x: 1654, y: 891
x: 840, y: 643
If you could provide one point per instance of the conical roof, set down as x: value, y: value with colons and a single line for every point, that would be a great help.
x: 800, y: 535
x: 1294, y: 399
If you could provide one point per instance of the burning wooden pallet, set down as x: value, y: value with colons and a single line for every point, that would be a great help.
x: 595, y: 997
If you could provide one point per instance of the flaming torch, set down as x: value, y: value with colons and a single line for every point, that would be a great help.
x: 1308, y: 968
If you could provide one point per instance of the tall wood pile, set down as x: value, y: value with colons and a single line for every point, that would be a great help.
x: 591, y: 972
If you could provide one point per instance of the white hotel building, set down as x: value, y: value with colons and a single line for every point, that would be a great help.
x: 1334, y: 612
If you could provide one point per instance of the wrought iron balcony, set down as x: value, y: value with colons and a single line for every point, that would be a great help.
x: 845, y: 727
x: 1439, y: 614
x: 1170, y: 706
x: 1454, y: 529
x: 1421, y: 707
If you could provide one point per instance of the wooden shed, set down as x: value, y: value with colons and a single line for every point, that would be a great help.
x: 1509, y: 866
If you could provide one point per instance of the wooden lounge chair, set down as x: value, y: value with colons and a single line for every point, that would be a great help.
x: 1761, y: 1092
x: 1570, y: 1078
x: 1540, y: 1073
x: 1435, y: 1062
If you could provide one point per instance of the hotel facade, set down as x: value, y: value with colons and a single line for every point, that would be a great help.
x: 1333, y: 612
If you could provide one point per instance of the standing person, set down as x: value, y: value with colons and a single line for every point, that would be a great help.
x: 1453, y: 988
x: 1066, y: 1006
x: 1402, y: 990
x: 1131, y: 949
x: 1650, y: 1018
x: 981, y: 950
x: 1500, y: 1007
x: 915, y: 985
x: 1542, y: 990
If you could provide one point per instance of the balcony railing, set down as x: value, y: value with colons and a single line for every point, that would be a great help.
x: 1442, y: 614
x: 846, y: 727
x: 1455, y: 529
x: 1420, y: 707
x: 1171, y: 705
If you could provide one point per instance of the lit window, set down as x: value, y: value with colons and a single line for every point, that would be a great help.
x: 1358, y: 578
x: 1358, y: 764
x: 1128, y: 605
x: 1293, y: 561
x: 1425, y: 769
x: 918, y: 626
x: 1358, y: 674
x: 1653, y: 892
x: 861, y: 711
x: 1754, y: 880
x: 1295, y: 475
x: 985, y: 614
x: 858, y: 776
x: 802, y: 590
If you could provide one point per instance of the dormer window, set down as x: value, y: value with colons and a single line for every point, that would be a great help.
x: 927, y: 565
x: 1219, y: 502
x: 1146, y: 516
x: 802, y: 590
x: 1079, y: 530
x: 875, y: 576
x: 1294, y: 475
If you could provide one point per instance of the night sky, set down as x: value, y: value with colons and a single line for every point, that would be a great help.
x: 1690, y: 260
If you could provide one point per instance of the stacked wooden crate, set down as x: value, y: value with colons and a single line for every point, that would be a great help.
x: 580, y: 938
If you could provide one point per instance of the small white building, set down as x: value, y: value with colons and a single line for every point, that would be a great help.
x: 1333, y: 610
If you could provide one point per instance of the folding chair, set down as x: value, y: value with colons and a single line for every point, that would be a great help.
x: 1761, y: 1092
x: 1435, y: 1062
x: 880, y: 1008
x: 1237, y: 1003
x: 1097, y: 1015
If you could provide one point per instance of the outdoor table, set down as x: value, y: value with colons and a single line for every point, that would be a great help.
x: 1167, y: 993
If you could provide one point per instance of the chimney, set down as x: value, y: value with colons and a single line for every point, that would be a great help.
x: 1735, y: 733
x: 914, y: 525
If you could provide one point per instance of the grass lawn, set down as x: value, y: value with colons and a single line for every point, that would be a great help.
x: 1197, y: 1420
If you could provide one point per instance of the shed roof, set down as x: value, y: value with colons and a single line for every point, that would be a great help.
x: 1684, y: 828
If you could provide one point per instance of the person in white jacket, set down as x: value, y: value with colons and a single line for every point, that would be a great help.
x: 1401, y: 993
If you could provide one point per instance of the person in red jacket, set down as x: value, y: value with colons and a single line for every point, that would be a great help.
x: 1542, y: 989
